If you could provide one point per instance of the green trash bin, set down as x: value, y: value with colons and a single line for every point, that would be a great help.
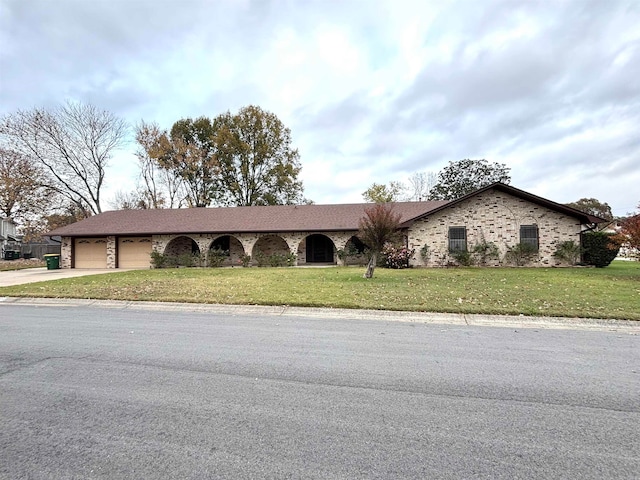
x: 53, y: 261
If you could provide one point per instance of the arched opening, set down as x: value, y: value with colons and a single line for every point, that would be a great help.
x: 182, y: 251
x: 226, y: 249
x: 271, y: 250
x: 356, y: 252
x: 319, y: 249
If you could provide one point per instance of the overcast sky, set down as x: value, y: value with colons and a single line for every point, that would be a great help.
x: 371, y: 90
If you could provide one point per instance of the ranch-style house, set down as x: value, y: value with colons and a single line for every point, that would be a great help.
x: 315, y: 234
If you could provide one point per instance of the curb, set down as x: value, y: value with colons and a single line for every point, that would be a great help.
x: 504, y: 321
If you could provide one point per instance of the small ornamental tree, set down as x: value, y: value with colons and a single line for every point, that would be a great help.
x: 378, y: 226
x: 630, y: 229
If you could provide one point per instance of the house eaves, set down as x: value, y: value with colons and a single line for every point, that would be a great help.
x: 584, y: 218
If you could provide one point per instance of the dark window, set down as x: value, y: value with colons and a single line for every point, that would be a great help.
x: 457, y: 238
x: 529, y: 235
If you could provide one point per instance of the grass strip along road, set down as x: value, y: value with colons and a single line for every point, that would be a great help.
x: 612, y: 292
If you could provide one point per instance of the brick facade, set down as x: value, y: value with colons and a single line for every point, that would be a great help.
x: 492, y: 216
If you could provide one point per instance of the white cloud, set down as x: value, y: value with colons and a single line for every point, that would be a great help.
x: 371, y: 91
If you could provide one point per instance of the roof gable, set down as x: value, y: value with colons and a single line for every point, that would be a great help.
x: 584, y: 218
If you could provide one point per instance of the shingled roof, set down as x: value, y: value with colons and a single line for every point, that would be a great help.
x: 584, y: 218
x: 262, y: 219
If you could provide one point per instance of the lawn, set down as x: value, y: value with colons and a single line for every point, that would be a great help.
x: 612, y: 292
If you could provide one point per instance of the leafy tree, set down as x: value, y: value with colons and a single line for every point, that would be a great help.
x: 593, y: 206
x: 257, y: 164
x: 188, y: 152
x: 73, y: 143
x: 23, y: 191
x: 630, y: 229
x: 378, y: 226
x: 465, y: 176
x: 379, y: 193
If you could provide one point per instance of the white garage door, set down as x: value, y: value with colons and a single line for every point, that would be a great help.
x: 134, y: 252
x: 90, y: 253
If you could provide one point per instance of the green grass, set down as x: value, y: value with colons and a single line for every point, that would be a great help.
x: 612, y: 292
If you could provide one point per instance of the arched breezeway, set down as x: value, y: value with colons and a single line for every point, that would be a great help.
x: 356, y: 252
x: 269, y: 247
x: 317, y: 248
x: 231, y: 247
x: 180, y: 246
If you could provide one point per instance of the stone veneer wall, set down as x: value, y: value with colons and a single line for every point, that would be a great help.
x: 112, y: 259
x: 295, y: 242
x: 66, y: 248
x: 496, y: 217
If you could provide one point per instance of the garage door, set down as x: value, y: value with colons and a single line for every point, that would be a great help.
x: 134, y: 252
x: 90, y: 253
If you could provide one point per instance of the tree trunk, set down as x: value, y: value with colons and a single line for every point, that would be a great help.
x: 370, y: 267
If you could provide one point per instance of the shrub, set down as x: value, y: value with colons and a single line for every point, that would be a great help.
x: 291, y: 259
x: 188, y: 259
x: 277, y: 260
x: 568, y: 251
x: 396, y: 257
x: 600, y: 248
x: 261, y: 259
x: 425, y: 254
x: 158, y: 260
x: 245, y: 260
x: 217, y: 256
x: 483, y: 252
x: 462, y: 257
x: 521, y: 254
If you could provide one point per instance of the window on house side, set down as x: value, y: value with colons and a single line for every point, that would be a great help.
x: 457, y: 238
x: 529, y: 235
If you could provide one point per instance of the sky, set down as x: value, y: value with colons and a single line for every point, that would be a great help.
x: 372, y: 91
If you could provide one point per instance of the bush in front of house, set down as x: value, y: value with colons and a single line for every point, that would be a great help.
x: 161, y: 260
x: 568, y: 252
x: 462, y: 257
x: 275, y: 259
x: 245, y: 260
x: 396, y: 256
x: 483, y: 252
x: 217, y: 256
x: 521, y: 254
x: 600, y: 248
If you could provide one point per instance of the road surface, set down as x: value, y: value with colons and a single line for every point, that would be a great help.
x: 94, y: 392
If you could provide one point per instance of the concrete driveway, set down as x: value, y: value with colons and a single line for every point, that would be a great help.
x: 32, y: 275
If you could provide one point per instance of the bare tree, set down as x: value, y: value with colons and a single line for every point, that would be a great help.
x: 73, y: 143
x: 420, y: 184
x: 160, y: 187
x: 378, y: 226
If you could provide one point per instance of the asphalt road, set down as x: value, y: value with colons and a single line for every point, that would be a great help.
x: 91, y: 392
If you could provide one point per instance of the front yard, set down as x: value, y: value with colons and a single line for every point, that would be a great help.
x: 612, y: 292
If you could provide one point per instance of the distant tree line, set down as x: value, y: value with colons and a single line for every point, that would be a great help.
x: 53, y: 163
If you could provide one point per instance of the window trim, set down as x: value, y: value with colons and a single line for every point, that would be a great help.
x: 533, y: 240
x: 453, y: 241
